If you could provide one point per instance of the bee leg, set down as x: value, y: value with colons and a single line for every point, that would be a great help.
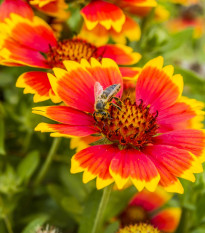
x: 95, y: 116
x: 118, y: 101
x: 115, y: 106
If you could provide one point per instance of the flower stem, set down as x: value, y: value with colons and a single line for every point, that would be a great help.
x: 101, y: 209
x: 8, y: 224
x: 48, y: 161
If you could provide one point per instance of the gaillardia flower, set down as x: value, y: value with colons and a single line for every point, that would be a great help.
x: 104, y: 19
x: 146, y: 207
x: 109, y: 15
x: 145, y: 142
x: 31, y: 42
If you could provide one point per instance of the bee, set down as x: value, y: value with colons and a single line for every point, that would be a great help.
x: 103, y: 99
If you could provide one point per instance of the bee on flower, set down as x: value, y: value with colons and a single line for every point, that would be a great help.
x: 149, y: 142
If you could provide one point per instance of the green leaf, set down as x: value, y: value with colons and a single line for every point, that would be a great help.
x: 112, y: 228
x: 68, y: 203
x: 35, y: 224
x: 90, y: 211
x: 9, y: 184
x: 72, y: 206
x: 177, y: 40
x: 73, y: 183
x: 200, y: 207
x: 28, y: 165
x: 56, y: 192
x: 118, y: 201
x: 199, y: 230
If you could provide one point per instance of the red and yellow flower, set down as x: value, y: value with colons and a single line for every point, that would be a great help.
x: 56, y: 8
x: 104, y: 19
x: 32, y: 42
x: 147, y: 144
x: 146, y: 207
x: 109, y: 15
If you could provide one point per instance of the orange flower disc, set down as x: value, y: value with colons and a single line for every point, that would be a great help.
x: 71, y: 49
x: 132, y: 125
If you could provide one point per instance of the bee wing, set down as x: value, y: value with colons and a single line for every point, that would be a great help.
x: 98, y: 90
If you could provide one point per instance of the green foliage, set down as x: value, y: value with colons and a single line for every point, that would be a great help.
x: 90, y: 211
x: 35, y: 224
x: 112, y: 228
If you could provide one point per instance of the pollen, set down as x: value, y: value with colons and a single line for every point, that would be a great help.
x: 139, y: 228
x: 131, y: 124
x: 71, y: 49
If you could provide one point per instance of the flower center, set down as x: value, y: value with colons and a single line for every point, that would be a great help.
x: 139, y: 228
x: 71, y: 49
x: 133, y: 214
x: 131, y: 125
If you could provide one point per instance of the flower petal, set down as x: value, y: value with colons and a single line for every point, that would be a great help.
x: 64, y: 130
x: 179, y: 162
x: 33, y: 34
x: 65, y: 115
x: 151, y: 201
x: 167, y: 180
x: 104, y: 13
x: 76, y: 85
x: 134, y: 165
x: 167, y: 220
x: 197, y: 106
x: 95, y: 162
x: 130, y: 30
x: 189, y: 139
x: 56, y: 8
x: 19, y: 7
x: 130, y: 73
x: 141, y: 3
x: 83, y: 142
x: 121, y: 54
x: 156, y: 88
x: 11, y: 52
x: 98, y: 35
x: 176, y: 116
x: 37, y: 83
